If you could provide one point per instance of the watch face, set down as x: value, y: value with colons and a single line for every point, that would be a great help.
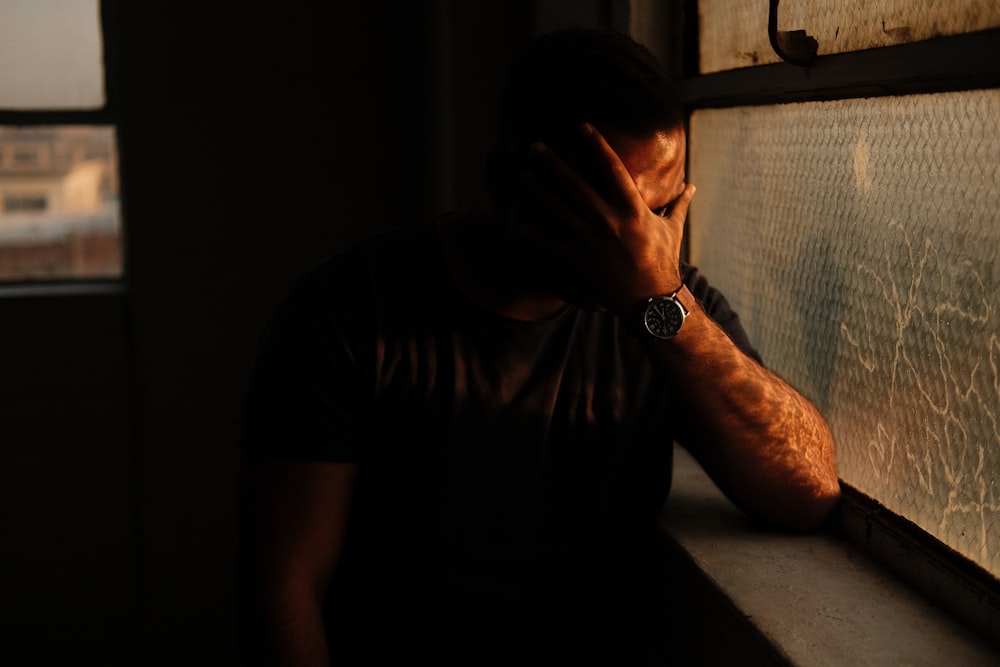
x: 664, y: 317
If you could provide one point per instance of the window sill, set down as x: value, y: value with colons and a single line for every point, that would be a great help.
x: 742, y: 595
x: 63, y: 288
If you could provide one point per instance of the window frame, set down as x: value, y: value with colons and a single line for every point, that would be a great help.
x: 953, y: 63
x: 107, y: 115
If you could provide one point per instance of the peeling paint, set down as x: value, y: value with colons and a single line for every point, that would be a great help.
x: 732, y: 29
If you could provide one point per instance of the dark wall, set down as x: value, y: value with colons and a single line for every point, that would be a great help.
x: 255, y: 139
x: 67, y: 559
x: 252, y: 157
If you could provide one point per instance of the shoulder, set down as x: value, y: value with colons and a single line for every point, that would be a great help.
x: 340, y: 293
x: 400, y: 250
x: 398, y: 261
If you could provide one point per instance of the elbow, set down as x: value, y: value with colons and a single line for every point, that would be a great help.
x: 815, y: 491
x: 809, y: 509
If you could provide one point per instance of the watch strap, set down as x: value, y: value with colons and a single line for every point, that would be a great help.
x: 685, y: 298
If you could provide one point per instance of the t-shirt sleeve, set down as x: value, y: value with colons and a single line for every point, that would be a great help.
x: 718, y: 308
x: 305, y: 396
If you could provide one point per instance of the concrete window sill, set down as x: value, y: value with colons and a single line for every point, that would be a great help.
x: 741, y: 595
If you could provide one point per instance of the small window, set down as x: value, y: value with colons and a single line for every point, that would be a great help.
x: 60, y: 216
x: 14, y: 204
x: 59, y: 195
x: 27, y: 158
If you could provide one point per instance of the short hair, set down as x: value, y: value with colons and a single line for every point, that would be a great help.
x: 565, y: 77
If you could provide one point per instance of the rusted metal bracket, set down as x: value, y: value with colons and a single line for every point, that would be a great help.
x: 792, y: 46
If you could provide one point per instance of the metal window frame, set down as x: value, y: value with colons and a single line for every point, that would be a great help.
x: 961, y: 62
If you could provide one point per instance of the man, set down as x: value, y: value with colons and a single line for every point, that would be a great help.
x: 459, y: 434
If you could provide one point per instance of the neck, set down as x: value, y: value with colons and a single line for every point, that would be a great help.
x: 481, y: 259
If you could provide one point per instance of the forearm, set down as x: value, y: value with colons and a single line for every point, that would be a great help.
x: 766, y: 445
x: 284, y: 626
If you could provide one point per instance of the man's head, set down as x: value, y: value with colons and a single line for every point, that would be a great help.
x: 564, y: 78
x: 599, y: 76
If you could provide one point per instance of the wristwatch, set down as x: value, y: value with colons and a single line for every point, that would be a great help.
x: 664, y: 315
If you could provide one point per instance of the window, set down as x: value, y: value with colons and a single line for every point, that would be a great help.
x: 850, y: 210
x: 14, y: 204
x: 59, y: 195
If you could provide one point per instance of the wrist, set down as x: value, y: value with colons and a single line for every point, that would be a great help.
x: 641, y: 290
x: 662, y: 316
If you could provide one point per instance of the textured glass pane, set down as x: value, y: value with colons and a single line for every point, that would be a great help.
x: 860, y: 242
x: 733, y: 33
x: 59, y: 211
x: 51, y: 54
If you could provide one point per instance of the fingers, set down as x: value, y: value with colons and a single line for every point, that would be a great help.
x: 543, y: 215
x: 611, y: 176
x: 579, y: 210
x: 548, y: 170
x: 680, y: 209
x: 590, y: 174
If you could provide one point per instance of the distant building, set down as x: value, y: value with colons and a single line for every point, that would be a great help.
x: 59, y: 204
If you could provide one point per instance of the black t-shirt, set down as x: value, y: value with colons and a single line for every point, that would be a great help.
x: 509, y: 470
